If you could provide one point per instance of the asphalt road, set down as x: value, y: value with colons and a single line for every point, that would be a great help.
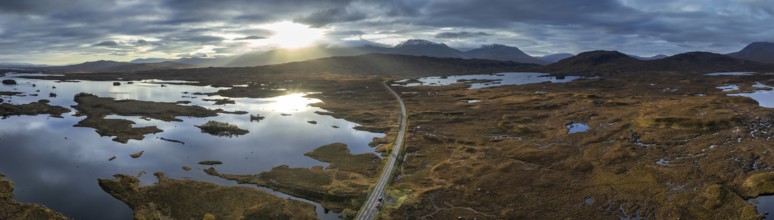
x: 369, y: 210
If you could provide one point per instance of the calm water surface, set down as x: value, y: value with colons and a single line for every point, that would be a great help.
x: 730, y: 74
x: 764, y: 204
x: 57, y: 165
x: 764, y: 97
x: 496, y: 79
x: 577, y: 128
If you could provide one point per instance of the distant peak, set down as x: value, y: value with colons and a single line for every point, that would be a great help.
x: 602, y: 52
x: 492, y: 46
x: 418, y: 42
x: 102, y: 61
x: 763, y: 43
x: 760, y: 45
x: 598, y: 57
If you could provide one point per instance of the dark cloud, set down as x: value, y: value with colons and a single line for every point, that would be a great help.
x: 202, y: 39
x: 253, y: 37
x: 38, y: 28
x: 460, y: 35
x: 40, y: 7
x: 127, y: 44
x: 333, y: 15
x: 108, y: 43
x: 347, y: 33
x: 142, y: 42
x: 607, y: 15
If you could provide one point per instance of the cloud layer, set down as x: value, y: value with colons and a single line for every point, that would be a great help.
x: 49, y: 31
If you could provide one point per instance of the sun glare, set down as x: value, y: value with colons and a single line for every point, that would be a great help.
x: 293, y: 35
x: 295, y: 102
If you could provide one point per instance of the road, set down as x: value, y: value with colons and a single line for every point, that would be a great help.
x: 369, y: 210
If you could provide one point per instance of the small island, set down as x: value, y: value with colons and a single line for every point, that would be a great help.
x: 221, y: 129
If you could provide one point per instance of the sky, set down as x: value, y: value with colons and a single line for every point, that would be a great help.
x: 64, y: 32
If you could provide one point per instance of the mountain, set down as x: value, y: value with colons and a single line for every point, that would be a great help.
x: 20, y: 65
x: 196, y: 61
x: 416, y: 47
x: 368, y: 64
x: 502, y: 53
x: 150, y: 60
x: 294, y: 55
x: 413, y: 47
x: 614, y: 62
x: 394, y: 64
x: 758, y: 51
x: 553, y: 58
x: 704, y: 62
x: 113, y: 66
x: 655, y: 57
x: 592, y: 61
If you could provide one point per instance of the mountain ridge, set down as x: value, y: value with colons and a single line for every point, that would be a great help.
x: 413, y: 47
x: 502, y: 53
x: 614, y: 62
x: 553, y: 58
x: 115, y: 66
x: 757, y: 51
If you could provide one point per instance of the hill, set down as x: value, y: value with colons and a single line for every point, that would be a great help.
x: 413, y: 47
x: 113, y: 66
x: 591, y: 62
x: 294, y: 55
x: 553, y: 58
x: 386, y: 65
x: 416, y: 47
x: 758, y: 51
x: 613, y: 62
x: 502, y: 53
x: 703, y: 62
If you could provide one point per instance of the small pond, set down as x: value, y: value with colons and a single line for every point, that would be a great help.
x: 577, y: 128
x: 728, y: 88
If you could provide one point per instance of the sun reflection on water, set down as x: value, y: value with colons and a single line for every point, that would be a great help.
x: 295, y: 102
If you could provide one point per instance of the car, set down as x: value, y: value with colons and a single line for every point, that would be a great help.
x: 378, y: 204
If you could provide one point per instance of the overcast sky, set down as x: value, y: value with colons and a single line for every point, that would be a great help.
x: 72, y: 31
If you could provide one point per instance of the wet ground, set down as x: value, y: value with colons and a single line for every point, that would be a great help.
x: 658, y: 146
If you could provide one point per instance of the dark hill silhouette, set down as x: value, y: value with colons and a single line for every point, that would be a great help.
x: 362, y: 65
x: 413, y: 47
x: 758, y: 51
x: 553, y: 58
x: 502, y: 53
x: 416, y: 47
x: 702, y: 62
x: 113, y: 66
x: 295, y: 55
x: 613, y: 62
x: 591, y: 62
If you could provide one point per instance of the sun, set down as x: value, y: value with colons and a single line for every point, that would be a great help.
x: 293, y: 35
